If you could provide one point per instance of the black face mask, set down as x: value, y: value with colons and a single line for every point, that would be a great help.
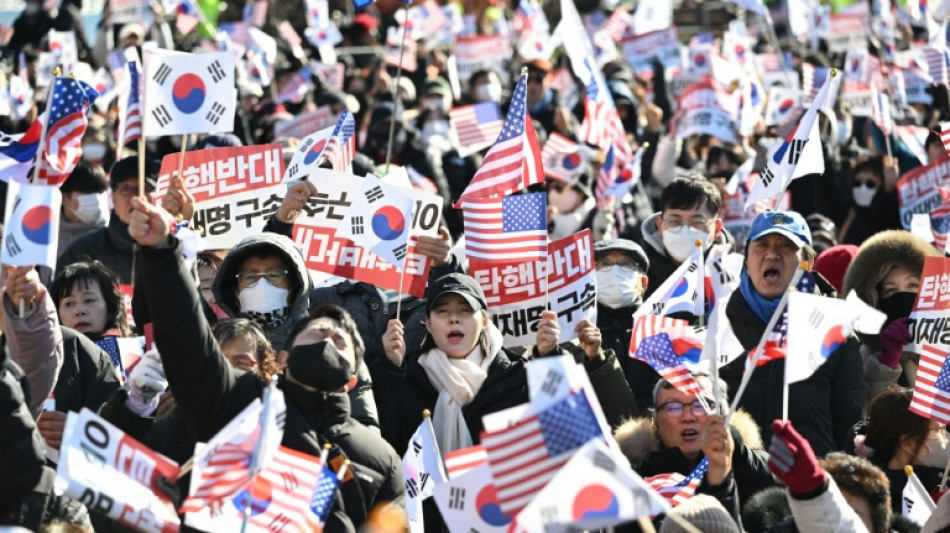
x: 318, y: 365
x: 897, y: 305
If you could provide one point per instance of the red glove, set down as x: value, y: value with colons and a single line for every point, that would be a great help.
x: 793, y: 461
x: 893, y: 339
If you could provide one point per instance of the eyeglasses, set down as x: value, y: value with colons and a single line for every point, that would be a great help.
x: 626, y: 266
x: 673, y: 223
x: 277, y: 277
x: 673, y: 408
x: 130, y: 189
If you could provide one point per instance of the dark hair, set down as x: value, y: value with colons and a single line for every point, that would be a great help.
x: 229, y: 285
x: 717, y: 152
x: 81, y: 274
x: 128, y: 168
x: 226, y: 331
x: 765, y: 509
x: 334, y: 312
x: 861, y: 478
x: 208, y: 259
x: 689, y: 192
x: 874, y: 165
x: 890, y: 419
x: 86, y: 178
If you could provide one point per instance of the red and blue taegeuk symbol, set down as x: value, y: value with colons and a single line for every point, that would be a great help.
x: 571, y: 161
x: 833, y: 339
x: 595, y: 501
x: 489, y: 509
x: 388, y: 222
x: 699, y: 59
x: 314, y: 152
x: 261, y: 497
x: 786, y: 105
x: 188, y: 93
x: 37, y: 224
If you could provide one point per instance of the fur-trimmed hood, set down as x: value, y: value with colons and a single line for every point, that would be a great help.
x: 878, y: 255
x: 638, y: 439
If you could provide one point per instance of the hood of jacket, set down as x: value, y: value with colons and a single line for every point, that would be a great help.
x: 878, y: 255
x: 224, y: 286
x: 652, y: 238
x: 638, y: 438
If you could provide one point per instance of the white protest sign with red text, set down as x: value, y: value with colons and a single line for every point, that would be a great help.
x: 115, y: 475
x: 235, y: 189
x: 318, y: 235
x: 929, y: 322
x: 483, y: 52
x: 664, y: 45
x: 918, y: 191
x: 516, y: 292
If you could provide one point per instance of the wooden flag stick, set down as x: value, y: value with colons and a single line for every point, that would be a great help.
x: 392, y: 119
x: 181, y: 157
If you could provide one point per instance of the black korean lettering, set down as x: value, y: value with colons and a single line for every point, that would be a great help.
x: 253, y: 211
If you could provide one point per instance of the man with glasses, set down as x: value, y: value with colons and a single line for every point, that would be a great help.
x: 680, y: 433
x: 689, y: 211
x: 111, y: 244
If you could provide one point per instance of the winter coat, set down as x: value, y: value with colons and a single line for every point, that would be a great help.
x: 35, y: 342
x: 661, y: 265
x: 224, y: 288
x: 616, y: 328
x: 210, y: 392
x: 87, y: 377
x: 70, y: 231
x: 640, y: 443
x: 826, y: 511
x: 607, y: 378
x: 110, y: 245
x: 823, y: 407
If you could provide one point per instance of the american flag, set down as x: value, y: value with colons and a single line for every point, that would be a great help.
x: 477, y: 125
x: 461, y: 461
x: 256, y: 13
x: 555, y: 145
x: 125, y: 353
x: 940, y: 226
x: 529, y: 18
x: 932, y: 388
x: 66, y: 124
x: 606, y: 177
x: 130, y: 113
x: 649, y: 325
x: 514, y: 161
x: 321, y: 501
x: 392, y: 55
x: 17, y: 152
x: 429, y: 17
x: 777, y: 340
x: 813, y: 78
x: 508, y: 229
x: 601, y: 125
x: 881, y: 111
x: 226, y: 473
x: 938, y: 63
x: 187, y: 16
x: 295, y: 479
x: 526, y: 455
x: 341, y: 146
x: 297, y: 87
x: 677, y: 488
x: 657, y: 351
x: 945, y: 135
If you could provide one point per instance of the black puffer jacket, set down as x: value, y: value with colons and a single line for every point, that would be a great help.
x: 823, y: 408
x: 110, y: 245
x: 209, y: 392
x: 616, y: 328
x: 87, y: 378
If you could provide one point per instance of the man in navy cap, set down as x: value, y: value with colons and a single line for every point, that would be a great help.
x: 825, y: 406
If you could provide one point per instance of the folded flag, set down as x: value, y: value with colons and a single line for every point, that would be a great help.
x: 66, y: 123
x: 776, y: 342
x: 17, y: 153
x: 675, y: 487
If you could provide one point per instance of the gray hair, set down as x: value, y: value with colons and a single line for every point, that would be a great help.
x: 705, y: 384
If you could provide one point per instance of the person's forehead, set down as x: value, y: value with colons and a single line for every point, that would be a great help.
x: 265, y: 260
x: 674, y: 394
x: 695, y: 211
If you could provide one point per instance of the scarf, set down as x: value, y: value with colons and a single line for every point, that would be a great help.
x: 458, y: 381
x: 763, y: 307
x: 267, y: 321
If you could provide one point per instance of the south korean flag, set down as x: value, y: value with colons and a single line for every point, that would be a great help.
x: 379, y: 221
x: 188, y: 93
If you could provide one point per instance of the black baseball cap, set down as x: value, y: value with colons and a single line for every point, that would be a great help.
x: 624, y: 246
x: 464, y: 286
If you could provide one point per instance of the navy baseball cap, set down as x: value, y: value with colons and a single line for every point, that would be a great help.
x: 786, y: 223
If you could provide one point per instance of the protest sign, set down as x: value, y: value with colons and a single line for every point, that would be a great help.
x: 126, y: 11
x: 235, y: 189
x: 664, y: 45
x: 318, y: 235
x: 929, y: 325
x: 859, y: 102
x: 483, y: 52
x: 115, y: 475
x: 918, y: 191
x: 848, y: 32
x: 516, y: 292
x: 306, y: 123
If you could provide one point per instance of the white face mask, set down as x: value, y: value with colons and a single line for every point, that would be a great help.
x: 680, y: 243
x: 844, y: 133
x: 262, y: 298
x: 91, y: 207
x: 435, y: 104
x: 938, y: 451
x: 435, y: 134
x: 94, y: 152
x: 863, y: 195
x: 617, y: 289
x: 487, y: 92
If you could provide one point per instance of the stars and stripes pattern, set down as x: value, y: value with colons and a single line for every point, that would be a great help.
x: 646, y: 326
x: 514, y: 161
x: 677, y: 488
x: 940, y: 226
x: 525, y: 456
x: 937, y: 59
x: 932, y: 389
x: 606, y: 176
x: 813, y: 78
x: 227, y: 472
x: 430, y: 18
x: 297, y: 86
x: 881, y: 111
x: 945, y: 135
x: 66, y: 124
x: 256, y: 13
x: 777, y: 341
x: 130, y: 112
x: 392, y: 54
x: 508, y: 229
x: 459, y: 462
x: 477, y: 125
x: 340, y: 148
x: 321, y: 501
x: 291, y: 476
x: 529, y: 18
x: 602, y: 126
x: 657, y: 351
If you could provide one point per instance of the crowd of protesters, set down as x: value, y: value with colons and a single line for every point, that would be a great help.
x: 358, y: 364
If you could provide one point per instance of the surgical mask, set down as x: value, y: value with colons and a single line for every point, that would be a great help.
x: 94, y: 152
x: 844, y: 133
x: 435, y: 134
x: 938, y: 451
x: 487, y: 92
x: 680, y: 243
x: 863, y: 194
x: 91, y: 207
x: 435, y: 104
x: 617, y: 288
x: 262, y: 297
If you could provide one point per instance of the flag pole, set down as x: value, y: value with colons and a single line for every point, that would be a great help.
x: 395, y: 91
x: 181, y: 156
x: 750, y: 365
x: 57, y: 72
x: 256, y: 457
x: 405, y: 260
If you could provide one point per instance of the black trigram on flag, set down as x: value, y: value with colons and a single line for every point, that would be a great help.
x: 13, y: 248
x: 551, y: 382
x: 374, y: 194
x: 795, y: 148
x: 816, y: 318
x: 161, y: 115
x: 162, y: 74
x: 412, y: 489
x: 766, y: 176
x: 457, y: 498
x: 215, y: 113
x: 416, y: 447
x: 292, y: 171
x: 400, y: 252
x: 908, y: 504
x: 281, y: 419
x: 356, y: 225
x: 217, y: 73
